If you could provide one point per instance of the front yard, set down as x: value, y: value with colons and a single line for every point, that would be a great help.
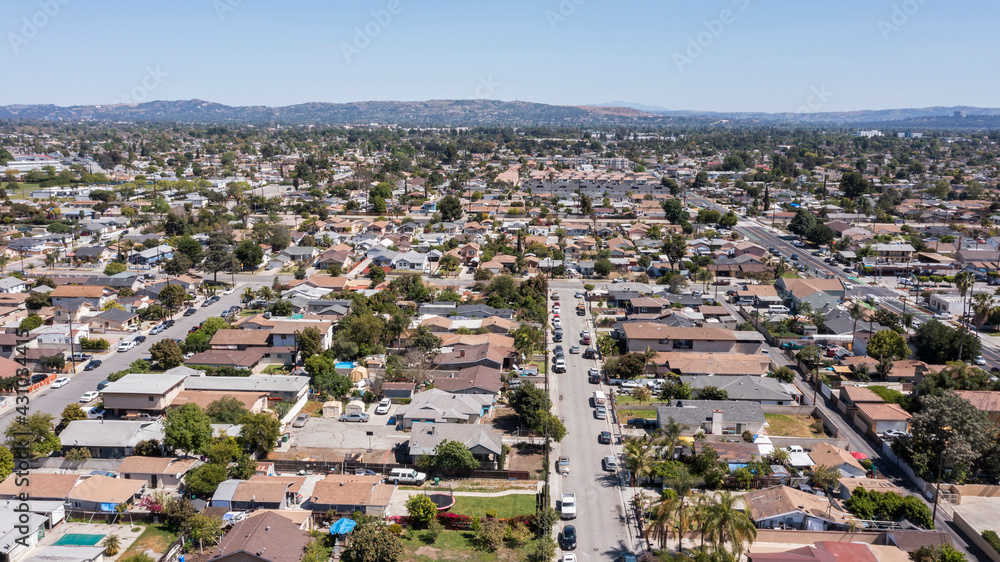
x: 510, y: 505
x: 455, y: 545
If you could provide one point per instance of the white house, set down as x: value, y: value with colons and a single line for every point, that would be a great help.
x: 410, y: 261
x: 12, y: 285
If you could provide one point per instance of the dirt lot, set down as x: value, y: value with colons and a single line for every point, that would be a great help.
x: 526, y: 457
x: 794, y: 426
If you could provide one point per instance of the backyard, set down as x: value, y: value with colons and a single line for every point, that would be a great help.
x: 781, y: 425
x: 510, y: 505
x: 156, y: 537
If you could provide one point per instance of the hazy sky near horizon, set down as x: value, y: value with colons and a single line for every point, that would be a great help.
x: 718, y: 55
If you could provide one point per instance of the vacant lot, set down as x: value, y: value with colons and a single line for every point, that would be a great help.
x: 526, y: 457
x: 794, y: 426
x: 454, y: 545
x: 510, y: 505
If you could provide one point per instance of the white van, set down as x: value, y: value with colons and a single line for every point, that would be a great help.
x: 406, y: 476
x: 599, y: 398
x: 778, y: 309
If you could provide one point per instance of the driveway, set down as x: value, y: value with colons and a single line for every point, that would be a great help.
x: 330, y: 433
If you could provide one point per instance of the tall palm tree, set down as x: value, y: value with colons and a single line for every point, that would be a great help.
x: 683, y: 515
x: 638, y: 457
x: 728, y: 524
x: 248, y: 294
x: 964, y: 281
x: 982, y: 307
x: 857, y: 312
x: 660, y: 527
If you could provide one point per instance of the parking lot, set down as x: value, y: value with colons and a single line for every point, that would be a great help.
x: 331, y: 433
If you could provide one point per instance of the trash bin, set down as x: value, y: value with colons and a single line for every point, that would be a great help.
x: 285, y: 437
x: 437, y: 480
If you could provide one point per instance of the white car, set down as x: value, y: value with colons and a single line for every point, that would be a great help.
x: 126, y: 346
x: 228, y: 291
x: 60, y: 382
x: 568, y: 557
x: 89, y: 396
x: 942, y: 316
x: 189, y: 355
x: 95, y: 413
x: 383, y: 407
x: 980, y: 360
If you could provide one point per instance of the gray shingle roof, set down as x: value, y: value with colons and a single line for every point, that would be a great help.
x: 696, y: 412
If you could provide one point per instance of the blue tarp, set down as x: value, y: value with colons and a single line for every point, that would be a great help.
x: 342, y: 526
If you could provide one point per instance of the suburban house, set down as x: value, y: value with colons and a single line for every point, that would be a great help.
x: 114, y: 320
x: 851, y: 396
x: 826, y: 551
x: 879, y: 418
x: 716, y: 417
x: 156, y: 472
x: 825, y: 454
x: 762, y: 390
x: 150, y: 393
x: 782, y: 507
x: 20, y: 532
x: 42, y: 486
x: 266, y: 538
x: 817, y: 293
x: 986, y: 401
x: 109, y: 439
x: 94, y: 295
x: 486, y: 444
x: 348, y: 493
x: 103, y: 493
x: 438, y: 406
x: 640, y: 336
x: 12, y: 285
x: 472, y: 380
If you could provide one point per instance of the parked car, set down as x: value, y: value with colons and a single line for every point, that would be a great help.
x: 89, y: 396
x: 383, y: 407
x: 140, y: 339
x: 791, y: 345
x: 81, y: 357
x: 95, y: 413
x: 300, y: 420
x: 559, y: 366
x: 641, y: 423
x: 103, y: 384
x: 574, y: 349
x: 157, y: 329
x: 604, y: 438
x: 942, y: 316
x: 562, y: 465
x: 60, y: 382
x: 95, y: 363
x: 894, y: 433
x: 354, y: 417
x: 126, y: 346
x: 610, y: 463
x: 406, y: 476
x: 558, y: 351
x: 601, y: 413
x: 228, y: 291
x: 980, y: 360
x: 190, y: 312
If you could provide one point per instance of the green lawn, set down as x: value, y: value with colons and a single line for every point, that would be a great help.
x: 156, y: 537
x: 628, y: 400
x: 26, y: 189
x: 790, y: 275
x: 506, y: 506
x: 450, y: 545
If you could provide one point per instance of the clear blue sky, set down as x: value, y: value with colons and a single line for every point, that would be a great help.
x: 772, y: 55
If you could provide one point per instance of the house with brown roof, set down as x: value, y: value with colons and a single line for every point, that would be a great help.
x: 254, y: 401
x: 472, y: 355
x: 879, y: 418
x: 247, y: 359
x: 156, y: 472
x: 472, y: 380
x: 240, y: 339
x: 825, y: 551
x: 103, y: 493
x: 782, y: 507
x: 265, y: 538
x: 826, y: 454
x: 94, y: 295
x: 986, y: 401
x: 850, y: 396
x: 640, y: 336
x: 42, y: 486
x: 818, y: 293
x: 347, y: 493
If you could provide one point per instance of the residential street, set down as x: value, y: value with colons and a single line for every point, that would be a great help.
x: 53, y: 400
x: 602, y: 527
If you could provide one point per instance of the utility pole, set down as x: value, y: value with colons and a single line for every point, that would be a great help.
x: 937, y: 491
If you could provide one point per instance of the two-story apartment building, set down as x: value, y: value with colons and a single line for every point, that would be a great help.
x: 94, y: 295
x: 150, y: 393
x: 640, y: 336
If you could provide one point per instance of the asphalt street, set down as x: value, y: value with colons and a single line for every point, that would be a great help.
x: 601, y: 524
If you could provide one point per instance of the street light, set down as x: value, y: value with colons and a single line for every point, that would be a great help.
x: 937, y: 491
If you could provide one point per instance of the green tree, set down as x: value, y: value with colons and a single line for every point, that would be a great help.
x: 802, y: 222
x: 528, y: 339
x: 726, y: 524
x: 454, y: 455
x: 937, y: 344
x: 887, y: 345
x: 189, y: 247
x: 712, y: 393
x: 821, y: 235
x: 371, y: 541
x: 6, y: 462
x: 450, y: 208
x: 114, y: 268
x: 421, y: 508
x: 376, y: 274
x: 33, y: 433
x: 603, y: 267
x: 178, y: 265
x: 310, y: 342
x: 281, y: 307
x: 167, y: 353
x: 937, y: 553
x: 249, y: 254
x: 79, y: 454
x: 259, y: 433
x: 824, y: 477
x: 226, y: 410
x: 188, y: 428
x: 71, y: 413
x: 172, y: 296
x: 728, y: 220
x: 31, y: 322
x: 783, y: 374
x: 204, y: 480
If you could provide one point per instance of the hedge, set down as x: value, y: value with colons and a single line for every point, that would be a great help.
x: 992, y: 538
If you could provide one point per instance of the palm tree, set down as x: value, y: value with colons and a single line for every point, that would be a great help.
x: 728, y: 524
x: 112, y: 544
x: 857, y: 312
x: 682, y: 484
x: 638, y: 457
x: 660, y: 525
x: 964, y: 281
x: 704, y: 276
x: 4, y: 258
x: 982, y: 306
x: 248, y: 294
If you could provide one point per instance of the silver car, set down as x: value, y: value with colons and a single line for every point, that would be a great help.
x: 354, y: 417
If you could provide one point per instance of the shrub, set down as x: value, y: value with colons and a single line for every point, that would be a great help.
x: 492, y: 513
x: 421, y: 508
x: 99, y: 344
x: 396, y: 529
x: 992, y: 538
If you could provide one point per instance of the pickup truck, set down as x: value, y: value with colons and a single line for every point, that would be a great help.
x: 568, y: 506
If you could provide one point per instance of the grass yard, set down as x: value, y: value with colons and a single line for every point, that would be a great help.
x: 629, y: 400
x: 454, y: 545
x: 790, y: 275
x: 506, y: 506
x: 276, y: 370
x: 26, y: 189
x: 156, y: 537
x: 477, y: 485
x: 794, y: 426
x: 314, y: 409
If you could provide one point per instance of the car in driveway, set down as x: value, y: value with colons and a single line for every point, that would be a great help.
x: 894, y: 433
x: 567, y: 539
x: 89, y: 396
x: 604, y: 438
x: 93, y: 365
x: 383, y: 407
x: 641, y: 423
x: 60, y: 382
x: 601, y: 413
x: 300, y: 420
x: 95, y: 413
x: 354, y: 417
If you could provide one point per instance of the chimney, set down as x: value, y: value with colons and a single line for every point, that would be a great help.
x: 461, y: 352
x: 717, y: 422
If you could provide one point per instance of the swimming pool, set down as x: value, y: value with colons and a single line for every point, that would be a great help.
x: 346, y: 365
x: 78, y: 539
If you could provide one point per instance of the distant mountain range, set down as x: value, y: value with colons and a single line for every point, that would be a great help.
x: 443, y: 113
